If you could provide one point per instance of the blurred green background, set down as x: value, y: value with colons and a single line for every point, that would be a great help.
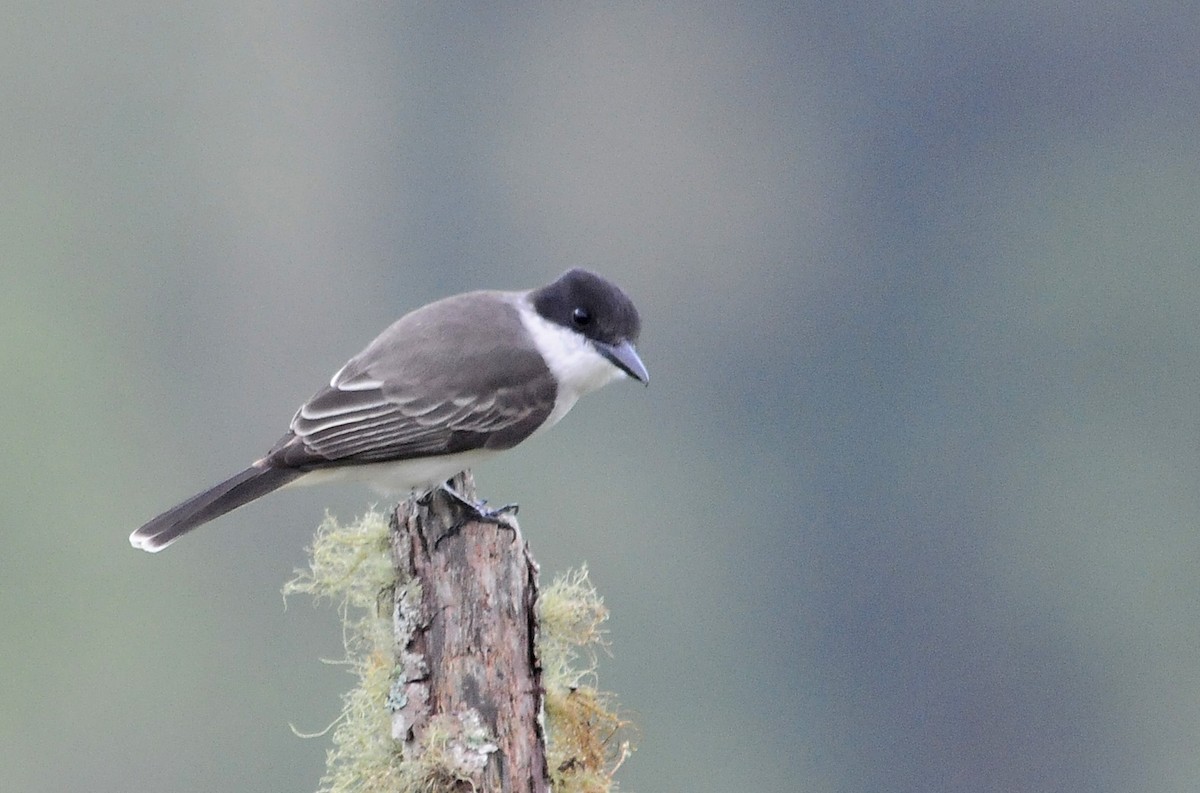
x: 911, y: 503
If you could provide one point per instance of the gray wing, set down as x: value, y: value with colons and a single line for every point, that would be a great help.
x: 396, y: 407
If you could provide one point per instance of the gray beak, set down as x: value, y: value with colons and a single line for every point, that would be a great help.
x: 625, y: 358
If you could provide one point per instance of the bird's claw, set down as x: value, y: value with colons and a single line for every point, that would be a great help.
x: 472, y: 511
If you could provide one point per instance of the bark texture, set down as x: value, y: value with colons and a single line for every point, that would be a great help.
x: 466, y: 636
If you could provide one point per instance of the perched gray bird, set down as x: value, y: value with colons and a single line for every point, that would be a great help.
x: 445, y: 387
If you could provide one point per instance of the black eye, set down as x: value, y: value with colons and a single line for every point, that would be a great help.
x: 581, y: 317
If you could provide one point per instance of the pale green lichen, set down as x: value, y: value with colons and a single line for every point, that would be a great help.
x: 351, y: 565
x: 587, y: 740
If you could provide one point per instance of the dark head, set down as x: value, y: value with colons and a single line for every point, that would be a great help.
x: 598, y: 310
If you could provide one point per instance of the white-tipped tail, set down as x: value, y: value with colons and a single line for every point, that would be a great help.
x: 235, y: 491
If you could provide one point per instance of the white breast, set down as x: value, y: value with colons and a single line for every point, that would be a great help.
x: 399, y: 477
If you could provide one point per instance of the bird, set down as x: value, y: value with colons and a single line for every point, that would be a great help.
x: 443, y: 388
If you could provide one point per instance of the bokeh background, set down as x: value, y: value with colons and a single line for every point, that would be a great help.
x: 911, y: 503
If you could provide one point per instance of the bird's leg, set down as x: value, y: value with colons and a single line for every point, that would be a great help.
x: 477, y: 512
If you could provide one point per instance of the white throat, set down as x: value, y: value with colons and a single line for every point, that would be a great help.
x: 573, y: 361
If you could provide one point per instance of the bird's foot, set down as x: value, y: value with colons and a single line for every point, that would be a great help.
x: 472, y: 511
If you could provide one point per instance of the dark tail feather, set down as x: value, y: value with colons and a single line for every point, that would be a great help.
x: 235, y: 491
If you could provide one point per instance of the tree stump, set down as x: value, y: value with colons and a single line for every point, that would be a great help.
x: 464, y: 617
